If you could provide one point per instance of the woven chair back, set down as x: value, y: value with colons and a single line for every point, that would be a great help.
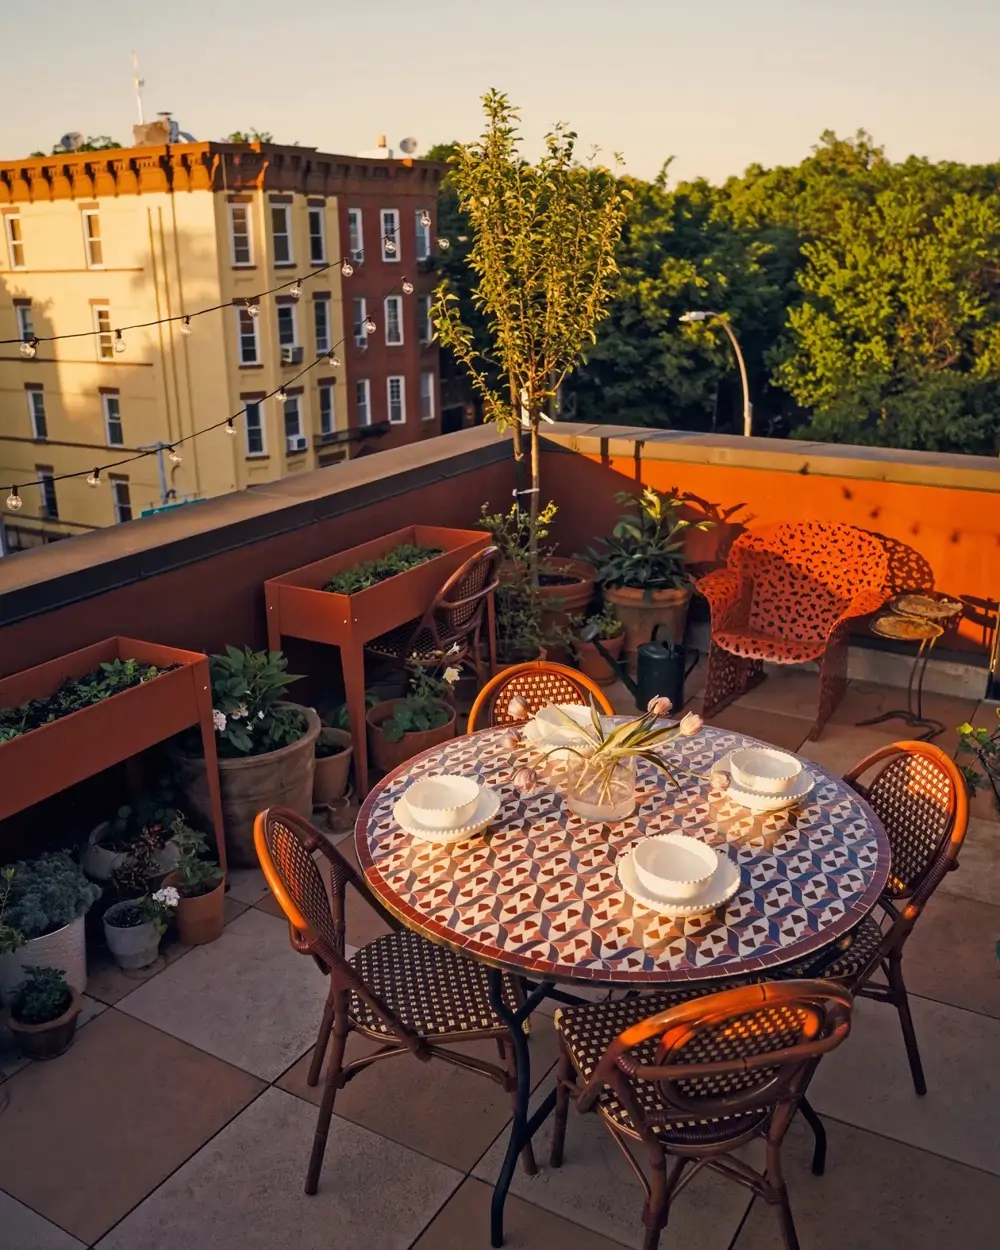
x: 538, y: 684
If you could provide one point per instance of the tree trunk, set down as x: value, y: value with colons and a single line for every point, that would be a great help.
x: 535, y: 491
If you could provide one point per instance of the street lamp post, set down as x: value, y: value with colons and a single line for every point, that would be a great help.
x: 724, y: 321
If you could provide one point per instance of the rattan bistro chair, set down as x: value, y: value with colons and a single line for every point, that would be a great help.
x: 920, y: 797
x: 538, y: 683
x: 696, y: 1081
x: 400, y: 990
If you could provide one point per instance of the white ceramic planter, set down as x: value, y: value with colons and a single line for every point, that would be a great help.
x: 133, y: 947
x: 98, y: 862
x: 65, y: 949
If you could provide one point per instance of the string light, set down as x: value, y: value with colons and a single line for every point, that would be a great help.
x: 230, y: 427
x: 29, y: 348
x: 407, y: 286
x: 347, y: 268
x: 333, y: 362
x: 425, y: 219
x: 253, y: 308
x: 295, y: 290
x: 119, y: 342
x: 444, y: 244
x: 95, y: 478
x: 389, y: 245
x: 14, y: 500
x: 281, y: 394
x: 175, y: 456
x: 186, y: 329
x: 370, y: 326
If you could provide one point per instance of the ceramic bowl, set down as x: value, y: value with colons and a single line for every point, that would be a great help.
x: 675, y: 866
x: 444, y: 801
x: 763, y: 770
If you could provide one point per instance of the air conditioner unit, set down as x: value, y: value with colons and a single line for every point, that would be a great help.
x: 291, y: 355
x: 296, y: 442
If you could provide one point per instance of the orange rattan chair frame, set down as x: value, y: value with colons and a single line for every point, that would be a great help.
x: 695, y: 1082
x: 538, y: 683
x: 290, y: 851
x: 451, y: 629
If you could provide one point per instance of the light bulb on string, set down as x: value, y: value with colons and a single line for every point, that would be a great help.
x: 407, y: 286
x: 230, y: 427
x: 281, y: 394
x: 389, y: 245
x: 333, y: 362
x: 14, y: 500
x: 347, y: 268
x: 370, y: 326
x: 119, y: 342
x: 253, y: 308
x: 425, y: 219
x: 175, y: 456
x: 186, y: 328
x: 94, y: 479
x: 29, y: 348
x: 444, y: 244
x: 295, y: 290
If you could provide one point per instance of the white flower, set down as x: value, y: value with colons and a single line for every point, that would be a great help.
x: 260, y: 715
x: 455, y: 648
x: 659, y: 705
x: 240, y: 713
x: 168, y: 896
x: 451, y: 674
x: 718, y: 779
x: 219, y: 720
x: 690, y: 724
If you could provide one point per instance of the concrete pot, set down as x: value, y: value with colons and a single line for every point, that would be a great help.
x: 332, y: 771
x: 640, y: 611
x: 202, y: 918
x: 46, y: 1041
x: 134, y: 947
x: 65, y: 949
x: 388, y: 755
x: 98, y: 862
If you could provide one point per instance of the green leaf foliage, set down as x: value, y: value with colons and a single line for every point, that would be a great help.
x: 247, y: 689
x: 42, y: 996
x: 47, y: 893
x: 398, y: 560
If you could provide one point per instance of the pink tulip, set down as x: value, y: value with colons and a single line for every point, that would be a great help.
x: 526, y: 779
x: 659, y: 705
x: 719, y: 780
x: 517, y: 709
x: 690, y: 724
x: 511, y: 740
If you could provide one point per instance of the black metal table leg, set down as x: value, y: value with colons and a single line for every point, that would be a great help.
x: 913, y: 713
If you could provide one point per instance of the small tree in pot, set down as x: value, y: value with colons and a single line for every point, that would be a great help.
x: 200, y: 884
x: 43, y: 1012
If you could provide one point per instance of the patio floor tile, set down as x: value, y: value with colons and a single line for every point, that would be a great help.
x: 595, y: 1187
x: 864, y: 699
x: 247, y: 998
x: 247, y: 885
x: 878, y: 1193
x: 978, y: 872
x: 89, y: 1135
x: 23, y: 1229
x: 780, y: 730
x: 464, y: 1224
x: 951, y: 953
x: 786, y: 689
x: 443, y: 1111
x: 110, y: 984
x: 867, y: 1081
x: 243, y: 1191
x: 840, y: 747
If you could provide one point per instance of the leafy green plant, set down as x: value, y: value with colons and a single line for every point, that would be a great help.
x: 398, y: 560
x: 196, y: 872
x: 132, y: 873
x: 645, y: 550
x: 11, y: 939
x: 517, y: 605
x: 608, y: 625
x: 425, y: 705
x: 42, y: 996
x: 155, y: 909
x: 985, y: 745
x: 72, y: 696
x: 340, y: 717
x: 247, y: 687
x: 47, y: 893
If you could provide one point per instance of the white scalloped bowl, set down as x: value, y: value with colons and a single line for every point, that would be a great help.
x: 445, y: 801
x: 674, y: 866
x: 762, y: 770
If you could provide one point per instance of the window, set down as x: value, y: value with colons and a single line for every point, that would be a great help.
x: 360, y: 317
x: 390, y: 234
x: 287, y: 334
x: 281, y: 234
x: 427, y: 396
x: 363, y: 393
x: 321, y: 311
x: 15, y: 241
x: 121, y: 497
x: 113, y: 420
x: 105, y: 338
x: 423, y: 234
x: 49, y: 506
x: 293, y: 417
x: 25, y: 321
x: 36, y: 411
x: 394, y: 320
x: 327, y: 421
x: 425, y: 325
x: 92, y: 239
x: 317, y: 237
x: 239, y: 231
x: 356, y: 235
x: 397, y: 400
x: 254, y: 416
x: 247, y: 329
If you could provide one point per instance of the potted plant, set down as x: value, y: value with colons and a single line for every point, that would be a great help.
x: 641, y: 568
x: 266, y: 748
x: 42, y: 1013
x: 150, y: 821
x: 46, y: 900
x: 611, y: 632
x: 133, y: 927
x: 985, y: 745
x: 334, y: 750
x: 401, y: 728
x: 201, y: 886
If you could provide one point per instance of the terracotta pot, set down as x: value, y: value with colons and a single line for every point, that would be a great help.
x: 250, y: 784
x: 46, y: 1041
x: 507, y: 661
x: 388, y: 755
x: 593, y: 665
x: 200, y: 919
x: 133, y: 946
x: 641, y: 610
x: 332, y: 771
x: 65, y: 949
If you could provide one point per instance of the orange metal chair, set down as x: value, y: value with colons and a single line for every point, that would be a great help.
x: 788, y: 595
x: 538, y: 683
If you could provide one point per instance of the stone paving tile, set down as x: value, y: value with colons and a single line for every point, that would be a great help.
x: 978, y: 872
x: 867, y: 1081
x: 243, y: 1190
x: 841, y: 747
x: 87, y: 1136
x: 11, y: 1059
x: 787, y: 689
x: 788, y: 732
x: 864, y: 699
x: 246, y: 885
x: 464, y: 1223
x: 109, y: 983
x: 878, y: 1195
x: 23, y: 1229
x: 951, y: 954
x: 247, y: 998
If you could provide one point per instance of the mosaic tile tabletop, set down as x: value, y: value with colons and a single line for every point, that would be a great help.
x: 537, y: 892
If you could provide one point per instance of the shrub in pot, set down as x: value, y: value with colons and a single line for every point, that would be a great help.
x: 133, y: 927
x: 641, y: 568
x: 42, y: 1013
x: 45, y: 902
x: 401, y: 728
x: 201, y: 886
x: 611, y: 633
x: 266, y: 748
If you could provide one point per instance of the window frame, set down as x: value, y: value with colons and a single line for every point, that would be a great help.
x: 286, y: 234
x: 32, y: 390
x: 360, y: 333
x: 86, y: 216
x: 327, y: 390
x: 25, y: 322
x: 363, y: 387
x: 356, y: 227
x: 290, y: 309
x: 323, y: 345
x: 260, y: 428
x: 401, y: 379
x: 315, y: 212
x: 293, y: 401
x: 120, y: 482
x: 427, y: 374
x: 245, y: 207
x: 390, y: 258
x: 14, y: 246
x: 397, y: 303
x: 109, y: 419
x: 46, y: 480
x: 105, y: 338
x: 423, y: 235
x: 243, y: 313
x: 425, y: 326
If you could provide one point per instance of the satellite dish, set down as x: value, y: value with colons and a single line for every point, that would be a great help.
x: 70, y: 142
x: 409, y: 146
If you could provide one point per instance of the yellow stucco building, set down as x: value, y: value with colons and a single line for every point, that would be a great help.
x: 94, y: 241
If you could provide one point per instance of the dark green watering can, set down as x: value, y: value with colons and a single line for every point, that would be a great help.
x: 660, y: 667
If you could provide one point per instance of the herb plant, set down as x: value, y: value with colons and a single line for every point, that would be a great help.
x: 42, y: 996
x: 646, y: 548
x: 608, y: 625
x: 47, y: 893
x: 196, y: 873
x: 247, y: 687
x: 985, y: 745
x: 11, y: 939
x: 398, y: 560
x: 424, y: 706
x: 155, y: 909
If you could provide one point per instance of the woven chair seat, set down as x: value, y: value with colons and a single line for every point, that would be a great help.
x: 399, y: 643
x: 867, y: 938
x: 589, y: 1029
x: 430, y: 988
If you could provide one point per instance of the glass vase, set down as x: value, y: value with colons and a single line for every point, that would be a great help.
x: 600, y: 790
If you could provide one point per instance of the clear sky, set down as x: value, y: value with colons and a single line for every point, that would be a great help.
x: 716, y: 83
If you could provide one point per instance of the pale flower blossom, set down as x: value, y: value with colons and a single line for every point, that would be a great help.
x: 517, y: 709
x: 510, y: 740
x: 168, y: 896
x: 718, y: 779
x: 455, y: 648
x: 218, y: 720
x: 526, y: 779
x: 451, y: 674
x: 240, y: 713
x: 690, y: 724
x: 260, y: 715
x: 659, y: 705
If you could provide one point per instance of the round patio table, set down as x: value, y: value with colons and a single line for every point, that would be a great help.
x: 536, y: 894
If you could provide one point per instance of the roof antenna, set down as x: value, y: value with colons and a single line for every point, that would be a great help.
x: 139, y: 83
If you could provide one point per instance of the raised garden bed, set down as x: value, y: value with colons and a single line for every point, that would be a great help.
x: 298, y: 606
x: 48, y: 758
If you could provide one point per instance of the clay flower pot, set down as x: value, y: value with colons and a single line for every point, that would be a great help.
x: 640, y: 611
x: 332, y: 771
x: 388, y: 755
x: 593, y: 665
x: 46, y: 1041
x: 200, y: 917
